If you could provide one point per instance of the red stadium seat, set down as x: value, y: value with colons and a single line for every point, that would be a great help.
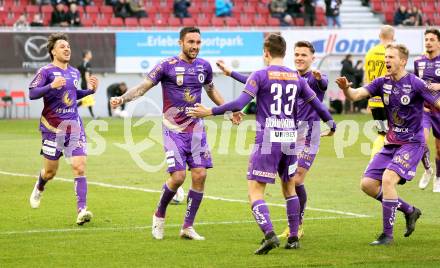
x: 273, y: 22
x: 5, y: 105
x: 10, y: 21
x: 189, y: 22
x: 146, y: 22
x: 131, y: 22
x: 231, y: 22
x: 106, y: 11
x: 92, y: 10
x: 32, y: 9
x: 246, y: 21
x: 46, y: 9
x: 203, y: 22
x: 101, y: 22
x: 161, y: 22
x: 263, y: 10
x: 299, y: 22
x: 260, y: 21
x: 376, y: 7
x: 194, y: 9
x: 17, y: 10
x: 217, y: 22
x: 19, y: 100
x: 389, y: 17
x: 174, y: 22
x: 116, y: 22
x: 86, y: 21
x: 249, y: 9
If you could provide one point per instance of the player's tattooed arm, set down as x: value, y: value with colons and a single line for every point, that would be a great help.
x: 214, y: 94
x: 353, y: 94
x: 137, y: 91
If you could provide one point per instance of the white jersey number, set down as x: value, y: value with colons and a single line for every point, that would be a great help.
x: 290, y: 91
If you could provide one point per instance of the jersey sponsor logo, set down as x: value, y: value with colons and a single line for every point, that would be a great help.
x: 412, y: 173
x: 171, y: 162
x: 38, y: 78
x: 405, y: 99
x: 191, y: 71
x: 179, y: 79
x: 188, y: 97
x: 56, y: 73
x: 263, y: 174
x: 66, y: 99
x: 76, y: 84
x: 201, y: 78
x: 169, y: 154
x: 437, y: 72
x: 279, y: 123
x: 333, y: 44
x: 401, y: 129
x: 179, y: 69
x: 277, y: 75
x: 421, y: 64
x: 386, y: 98
x: 50, y: 143
x: 156, y: 70
x: 282, y: 136
x: 292, y: 168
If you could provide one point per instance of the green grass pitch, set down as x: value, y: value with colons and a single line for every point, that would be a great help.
x: 338, y: 226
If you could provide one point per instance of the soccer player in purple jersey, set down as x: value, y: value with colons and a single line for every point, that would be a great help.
x: 309, y: 127
x: 61, y: 127
x: 427, y: 67
x: 277, y: 89
x: 403, y: 95
x: 182, y: 78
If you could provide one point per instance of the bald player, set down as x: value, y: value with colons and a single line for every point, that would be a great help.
x: 374, y: 68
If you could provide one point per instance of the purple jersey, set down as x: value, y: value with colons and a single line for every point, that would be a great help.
x: 277, y: 89
x: 305, y: 111
x: 429, y: 71
x: 59, y: 103
x: 181, y: 88
x: 403, y: 101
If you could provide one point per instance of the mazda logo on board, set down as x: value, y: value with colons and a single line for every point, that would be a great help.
x: 35, y: 48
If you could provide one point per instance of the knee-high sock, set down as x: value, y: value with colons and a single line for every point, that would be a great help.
x: 164, y: 200
x: 193, y: 202
x: 437, y: 167
x: 41, y: 183
x: 302, y: 196
x: 389, y: 208
x: 403, y: 206
x: 292, y: 209
x: 81, y: 192
x: 425, y: 159
x: 262, y: 216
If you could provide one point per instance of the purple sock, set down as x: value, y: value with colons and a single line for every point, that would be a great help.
x: 41, y: 183
x: 262, y: 217
x: 437, y: 167
x: 403, y: 206
x: 193, y: 202
x: 165, y: 199
x: 302, y: 196
x: 425, y: 159
x: 293, y: 210
x: 389, y: 208
x: 81, y: 192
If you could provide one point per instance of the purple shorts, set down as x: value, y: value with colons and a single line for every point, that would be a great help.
x: 266, y: 161
x: 182, y: 148
x: 403, y: 159
x: 71, y: 144
x: 309, y: 137
x: 432, y: 120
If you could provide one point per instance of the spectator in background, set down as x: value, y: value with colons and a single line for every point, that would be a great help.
x: 294, y: 8
x: 359, y: 106
x: 59, y: 17
x: 278, y: 10
x: 21, y: 23
x: 417, y: 14
x: 349, y: 72
x: 137, y: 8
x: 116, y: 90
x: 37, y: 21
x: 41, y: 2
x: 181, y: 8
x: 309, y: 12
x: 332, y: 12
x: 223, y: 8
x: 85, y: 70
x: 400, y: 16
x: 73, y: 16
x: 122, y: 9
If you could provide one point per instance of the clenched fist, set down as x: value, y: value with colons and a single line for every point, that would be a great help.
x: 58, y: 82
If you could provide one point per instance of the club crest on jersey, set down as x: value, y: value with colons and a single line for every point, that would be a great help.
x: 188, y: 97
x: 437, y: 72
x: 201, y: 78
x: 398, y: 121
x: 179, y: 79
x: 386, y: 98
x: 66, y: 99
x: 76, y: 84
x: 421, y: 72
x: 405, y: 99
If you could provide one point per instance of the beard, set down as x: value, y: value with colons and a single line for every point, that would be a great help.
x: 189, y: 55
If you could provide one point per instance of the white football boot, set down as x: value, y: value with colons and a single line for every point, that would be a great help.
x: 190, y: 233
x: 436, y: 188
x: 35, y: 198
x: 84, y: 216
x: 158, y: 227
x: 426, y: 178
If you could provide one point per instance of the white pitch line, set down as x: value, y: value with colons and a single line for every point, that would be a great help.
x: 125, y: 228
x: 107, y: 185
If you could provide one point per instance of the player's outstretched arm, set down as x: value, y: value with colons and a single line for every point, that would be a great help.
x: 324, y: 114
x: 353, y: 94
x: 236, y: 105
x: 434, y: 86
x: 228, y: 72
x: 132, y: 93
x: 38, y: 92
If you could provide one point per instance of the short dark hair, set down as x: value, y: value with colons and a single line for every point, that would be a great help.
x: 53, y: 38
x: 186, y: 30
x: 275, y: 45
x: 85, y: 52
x: 433, y: 31
x: 305, y: 44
